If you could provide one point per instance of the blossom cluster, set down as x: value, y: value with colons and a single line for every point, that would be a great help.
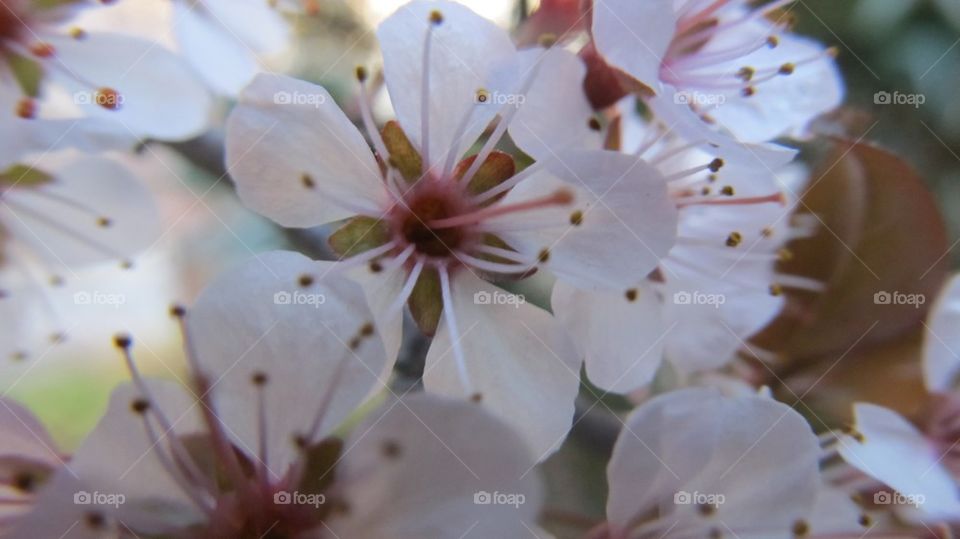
x: 607, y: 201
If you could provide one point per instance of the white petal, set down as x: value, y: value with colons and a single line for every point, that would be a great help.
x: 61, y: 220
x: 448, y: 453
x: 284, y: 129
x: 941, y: 352
x: 118, y: 457
x: 758, y: 454
x: 634, y: 36
x: 621, y: 340
x: 468, y: 53
x: 628, y: 221
x: 517, y: 357
x: 161, y: 96
x: 784, y: 105
x: 555, y: 113
x: 216, y: 54
x: 256, y: 24
x: 22, y: 436
x: 674, y: 113
x: 382, y: 290
x: 894, y: 452
x: 261, y: 318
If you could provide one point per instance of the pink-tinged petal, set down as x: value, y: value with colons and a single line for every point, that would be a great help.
x: 297, y: 158
x: 895, y: 452
x: 423, y: 466
x: 941, y: 353
x: 618, y: 226
x: 634, y: 36
x: 309, y: 333
x: 55, y: 514
x: 157, y: 94
x: 555, y: 113
x: 785, y: 105
x: 620, y: 334
x: 758, y: 454
x: 468, y: 53
x: 93, y: 209
x: 519, y: 361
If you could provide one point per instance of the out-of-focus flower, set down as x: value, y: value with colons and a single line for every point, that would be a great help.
x: 64, y: 87
x: 250, y: 448
x: 737, y: 66
x: 920, y: 461
x: 694, y: 463
x: 28, y: 457
x: 430, y: 229
x: 61, y: 212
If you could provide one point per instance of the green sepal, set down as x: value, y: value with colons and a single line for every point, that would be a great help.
x: 496, y: 169
x: 27, y: 72
x: 426, y: 302
x: 24, y: 176
x: 358, y: 235
x: 403, y: 156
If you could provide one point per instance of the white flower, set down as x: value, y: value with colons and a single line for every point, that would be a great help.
x: 251, y: 447
x: 717, y: 286
x: 63, y: 87
x: 429, y: 228
x: 58, y: 213
x: 737, y: 66
x: 28, y: 456
x: 694, y: 463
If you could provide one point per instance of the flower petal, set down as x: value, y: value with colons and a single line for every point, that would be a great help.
x: 894, y: 452
x: 309, y: 333
x: 941, y: 345
x: 634, y: 36
x: 619, y: 225
x: 434, y: 461
x: 517, y: 358
x: 620, y: 334
x: 555, y: 113
x: 468, y: 53
x: 297, y: 158
x: 159, y: 95
x: 756, y: 457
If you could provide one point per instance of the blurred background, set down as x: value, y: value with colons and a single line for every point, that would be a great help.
x: 900, y: 58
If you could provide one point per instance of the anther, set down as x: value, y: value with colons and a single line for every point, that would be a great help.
x: 361, y: 73
x: 391, y: 449
x: 26, y: 108
x: 436, y: 17
x: 576, y: 218
x: 140, y: 406
x: 178, y: 311
x: 734, y: 239
x: 594, y: 124
x: 305, y: 280
x: 787, y: 69
x: 123, y: 341
x: 632, y: 294
x: 547, y: 40
x: 307, y: 181
x: 716, y: 165
x: 727, y: 190
x: 543, y: 256
x: 800, y: 528
x: 259, y: 378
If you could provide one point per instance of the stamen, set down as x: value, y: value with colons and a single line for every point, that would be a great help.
x: 561, y: 197
x: 436, y: 18
x: 505, y: 186
x: 777, y: 198
x: 407, y: 289
x: 494, y: 267
x: 454, y: 331
x: 366, y: 113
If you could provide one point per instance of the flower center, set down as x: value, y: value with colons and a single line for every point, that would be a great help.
x: 430, y: 203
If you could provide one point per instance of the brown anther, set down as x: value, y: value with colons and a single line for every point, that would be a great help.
x: 784, y: 255
x: 259, y: 378
x: 95, y: 520
x: 705, y: 191
x: 632, y: 294
x: 126, y: 264
x: 543, y: 256
x: 476, y: 397
x: 766, y: 232
x: 104, y: 222
x: 78, y: 33
x: 366, y: 330
x: 140, y: 406
x: 787, y: 69
x: 746, y: 73
x: 707, y: 509
x: 727, y: 190
x: 361, y: 73
x: 576, y: 218
x: 776, y: 290
x: 833, y: 52
x: 178, y: 311
x: 375, y: 266
x: 122, y: 341
x: 594, y: 124
x: 391, y: 449
x: 307, y: 181
x: 436, y: 17
x: 305, y: 280
x: 716, y: 165
x: 865, y: 520
x: 547, y: 40
x: 773, y: 41
x: 800, y: 528
x: 749, y: 91
x: 734, y: 239
x: 26, y: 108
x: 24, y: 481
